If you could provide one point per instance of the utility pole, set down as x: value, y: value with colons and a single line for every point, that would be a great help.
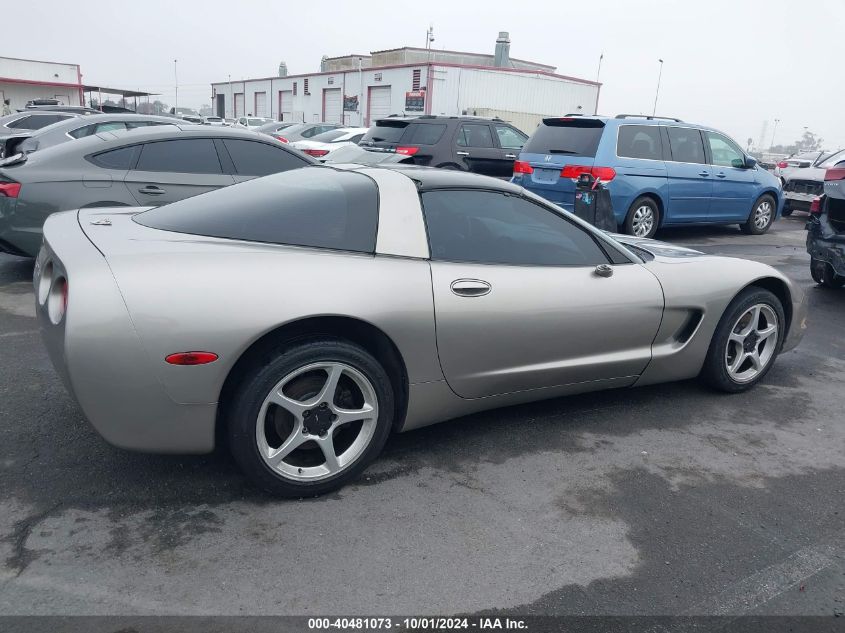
x: 774, y: 131
x: 598, y: 88
x: 176, y: 77
x: 659, y: 75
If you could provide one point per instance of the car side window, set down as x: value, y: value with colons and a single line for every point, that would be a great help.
x: 82, y: 132
x: 686, y: 145
x: 108, y: 127
x: 252, y: 158
x: 509, y: 138
x: 639, y: 141
x: 475, y: 135
x: 424, y: 133
x: 487, y: 227
x: 355, y: 138
x: 191, y: 156
x: 22, y: 123
x: 724, y: 152
x: 120, y: 158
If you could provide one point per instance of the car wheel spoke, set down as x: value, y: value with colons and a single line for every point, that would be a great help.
x: 296, y: 439
x: 345, y: 416
x: 326, y: 445
x: 327, y: 393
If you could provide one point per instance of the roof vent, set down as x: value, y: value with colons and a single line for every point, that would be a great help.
x: 283, y: 69
x: 503, y: 50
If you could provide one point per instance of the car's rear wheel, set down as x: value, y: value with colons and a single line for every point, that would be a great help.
x: 643, y: 218
x: 787, y: 211
x: 310, y: 418
x: 746, y: 341
x: 824, y: 275
x: 762, y: 216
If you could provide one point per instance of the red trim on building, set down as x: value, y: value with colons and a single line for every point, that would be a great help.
x: 32, y: 82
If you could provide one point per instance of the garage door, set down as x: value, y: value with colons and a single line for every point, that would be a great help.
x: 260, y: 104
x: 332, y: 105
x: 285, y: 104
x: 378, y: 103
x: 239, y: 104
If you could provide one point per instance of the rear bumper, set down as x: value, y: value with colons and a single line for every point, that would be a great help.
x: 100, y: 358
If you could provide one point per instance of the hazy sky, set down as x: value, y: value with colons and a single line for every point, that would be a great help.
x: 729, y: 64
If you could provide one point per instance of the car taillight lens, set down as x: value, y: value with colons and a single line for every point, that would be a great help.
x: 191, y: 358
x: 782, y: 164
x: 407, y: 150
x: 816, y: 206
x: 521, y: 167
x: 10, y: 189
x: 605, y: 174
x: 835, y: 173
x: 316, y: 152
x: 281, y: 138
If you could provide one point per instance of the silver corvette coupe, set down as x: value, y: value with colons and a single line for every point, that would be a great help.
x: 306, y: 315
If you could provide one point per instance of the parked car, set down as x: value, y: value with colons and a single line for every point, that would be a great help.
x: 146, y: 166
x: 298, y: 131
x: 307, y: 315
x: 804, y: 159
x: 60, y: 108
x: 803, y: 184
x: 321, y: 145
x: 354, y: 154
x: 75, y: 128
x: 826, y: 230
x: 659, y: 171
x: 251, y: 122
x: 192, y: 118
x: 482, y: 146
x: 181, y: 112
x: 274, y: 127
x: 213, y: 120
x: 228, y: 121
x: 31, y: 120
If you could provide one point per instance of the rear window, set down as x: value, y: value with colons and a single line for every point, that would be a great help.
x: 331, y: 135
x: 639, y: 141
x: 252, y: 158
x: 572, y: 137
x: 386, y: 132
x: 315, y: 206
x: 425, y: 133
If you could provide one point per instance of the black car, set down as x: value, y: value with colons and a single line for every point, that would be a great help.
x: 826, y: 231
x: 482, y: 146
x: 146, y: 166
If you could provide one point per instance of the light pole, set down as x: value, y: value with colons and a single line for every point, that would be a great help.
x: 598, y: 87
x: 231, y: 98
x: 176, y: 96
x: 657, y: 92
x: 774, y: 131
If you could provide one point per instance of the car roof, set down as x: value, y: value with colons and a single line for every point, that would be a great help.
x: 92, y: 119
x: 431, y: 178
x: 436, y: 118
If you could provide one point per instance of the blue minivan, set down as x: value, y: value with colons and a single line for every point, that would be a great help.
x: 660, y: 172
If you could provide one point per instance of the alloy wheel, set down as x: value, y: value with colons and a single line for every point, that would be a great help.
x: 642, y: 221
x: 763, y: 214
x: 752, y: 343
x: 316, y: 421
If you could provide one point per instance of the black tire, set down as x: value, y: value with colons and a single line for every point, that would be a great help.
x: 715, y: 371
x: 642, y: 201
x: 248, y: 398
x: 824, y: 275
x: 750, y: 226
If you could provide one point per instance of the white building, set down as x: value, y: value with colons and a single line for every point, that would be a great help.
x: 358, y: 89
x: 22, y: 80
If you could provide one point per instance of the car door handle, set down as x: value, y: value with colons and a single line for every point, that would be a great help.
x: 704, y: 173
x: 152, y: 190
x: 462, y: 153
x: 471, y: 287
x: 721, y: 174
x: 510, y: 156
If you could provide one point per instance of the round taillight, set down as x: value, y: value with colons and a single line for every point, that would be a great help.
x: 44, y: 282
x: 57, y: 300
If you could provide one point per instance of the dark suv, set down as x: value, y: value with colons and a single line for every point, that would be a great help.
x: 482, y: 146
x: 826, y: 230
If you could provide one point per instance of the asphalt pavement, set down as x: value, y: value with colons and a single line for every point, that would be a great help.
x: 669, y: 499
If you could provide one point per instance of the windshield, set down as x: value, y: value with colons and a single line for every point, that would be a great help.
x: 256, y: 122
x: 385, y: 132
x: 331, y: 135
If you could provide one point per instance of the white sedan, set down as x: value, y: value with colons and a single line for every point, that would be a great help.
x: 321, y: 145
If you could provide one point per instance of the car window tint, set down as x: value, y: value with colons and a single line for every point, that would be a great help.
x: 686, y: 145
x: 509, y: 138
x: 425, y: 133
x: 355, y: 139
x: 724, y: 152
x: 36, y: 122
x: 639, y: 141
x: 494, y: 228
x: 319, y: 207
x: 386, y: 131
x: 82, y: 132
x: 108, y: 127
x: 121, y: 158
x: 568, y: 135
x: 328, y: 136
x: 190, y: 156
x: 475, y: 135
x: 252, y: 158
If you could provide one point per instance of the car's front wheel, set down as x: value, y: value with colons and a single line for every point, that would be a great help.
x: 762, y: 216
x: 746, y: 341
x: 824, y: 275
x: 311, y: 417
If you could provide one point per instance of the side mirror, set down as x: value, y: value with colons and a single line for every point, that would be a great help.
x: 750, y: 163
